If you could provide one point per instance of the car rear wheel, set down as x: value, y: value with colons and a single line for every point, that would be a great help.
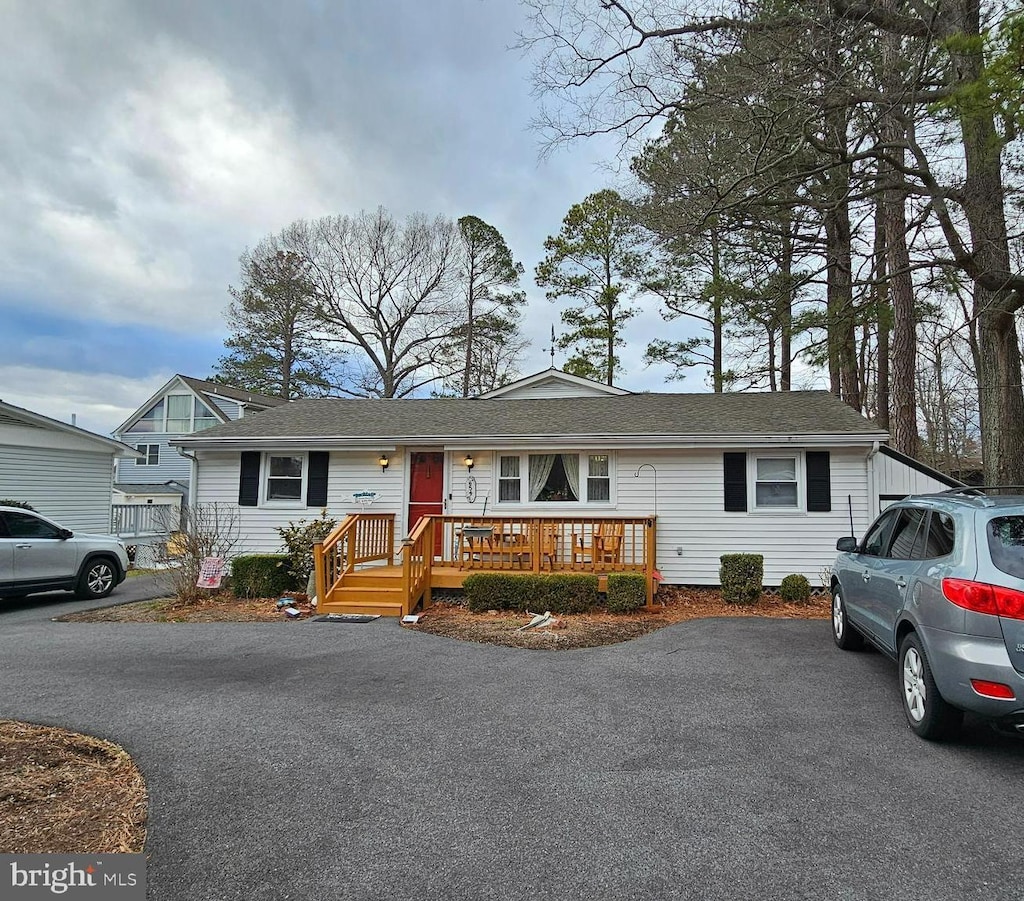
x: 846, y: 637
x: 928, y: 713
x: 97, y: 580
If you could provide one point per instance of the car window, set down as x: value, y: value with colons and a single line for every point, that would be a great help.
x: 908, y: 535
x: 877, y: 539
x: 21, y: 525
x: 1006, y: 544
x: 941, y: 532
x: 3, y: 527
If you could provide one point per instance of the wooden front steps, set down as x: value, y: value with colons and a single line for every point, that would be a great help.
x: 377, y: 590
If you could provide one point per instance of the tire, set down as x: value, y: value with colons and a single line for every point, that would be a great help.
x: 99, y: 576
x: 846, y: 637
x: 928, y: 714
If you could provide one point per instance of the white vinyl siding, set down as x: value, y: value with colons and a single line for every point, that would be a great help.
x: 690, y: 501
x: 70, y: 486
x: 894, y: 479
x: 553, y: 388
x: 349, y: 472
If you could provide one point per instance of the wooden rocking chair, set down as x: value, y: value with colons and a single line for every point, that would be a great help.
x: 606, y: 544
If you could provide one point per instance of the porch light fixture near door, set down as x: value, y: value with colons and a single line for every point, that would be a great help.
x: 469, y: 462
x: 384, y: 462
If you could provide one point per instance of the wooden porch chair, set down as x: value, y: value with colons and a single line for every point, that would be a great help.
x: 543, y: 535
x: 606, y: 544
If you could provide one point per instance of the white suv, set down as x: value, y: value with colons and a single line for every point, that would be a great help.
x: 37, y: 554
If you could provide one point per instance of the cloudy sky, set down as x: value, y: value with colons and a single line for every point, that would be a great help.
x: 147, y: 143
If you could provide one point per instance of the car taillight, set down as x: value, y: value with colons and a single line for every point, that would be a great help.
x: 984, y: 598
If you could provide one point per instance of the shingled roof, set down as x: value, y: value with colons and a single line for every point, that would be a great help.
x: 696, y: 416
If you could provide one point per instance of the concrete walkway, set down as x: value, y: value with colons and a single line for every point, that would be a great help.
x: 722, y: 759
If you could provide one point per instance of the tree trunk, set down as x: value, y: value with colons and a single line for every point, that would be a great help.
x: 882, y: 316
x: 1000, y: 397
x: 717, y: 327
x: 786, y: 313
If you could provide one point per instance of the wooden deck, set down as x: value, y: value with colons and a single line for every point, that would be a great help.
x: 443, y: 551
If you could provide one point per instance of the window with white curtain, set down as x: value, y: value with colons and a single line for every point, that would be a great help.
x: 565, y: 478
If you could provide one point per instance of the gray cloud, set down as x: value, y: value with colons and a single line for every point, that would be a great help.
x: 148, y: 142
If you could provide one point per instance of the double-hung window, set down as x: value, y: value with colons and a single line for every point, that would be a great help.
x: 509, y: 487
x: 285, y: 477
x: 776, y: 482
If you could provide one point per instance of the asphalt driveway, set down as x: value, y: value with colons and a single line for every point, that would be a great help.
x: 721, y: 759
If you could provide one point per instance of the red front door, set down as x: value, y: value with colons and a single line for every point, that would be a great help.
x: 426, y: 490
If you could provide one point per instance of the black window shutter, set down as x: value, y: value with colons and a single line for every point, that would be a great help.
x: 316, y: 479
x: 249, y: 479
x: 735, y: 482
x: 819, y: 482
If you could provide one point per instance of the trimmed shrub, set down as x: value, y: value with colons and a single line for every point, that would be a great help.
x: 298, y: 539
x: 795, y: 588
x: 261, y: 575
x: 626, y: 592
x: 741, y: 576
x: 559, y: 594
x: 7, y: 502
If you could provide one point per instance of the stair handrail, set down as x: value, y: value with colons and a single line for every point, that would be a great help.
x: 358, y: 538
x: 417, y: 562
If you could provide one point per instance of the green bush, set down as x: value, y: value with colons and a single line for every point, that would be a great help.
x: 299, y: 538
x: 559, y: 594
x: 261, y: 576
x: 7, y: 502
x: 626, y: 592
x: 795, y: 588
x: 741, y: 576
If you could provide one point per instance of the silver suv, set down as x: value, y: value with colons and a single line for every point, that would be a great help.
x: 37, y: 554
x: 938, y: 584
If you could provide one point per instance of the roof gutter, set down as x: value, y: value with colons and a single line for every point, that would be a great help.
x: 479, y: 442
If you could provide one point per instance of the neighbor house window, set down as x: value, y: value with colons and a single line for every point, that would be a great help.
x: 284, y: 477
x: 176, y: 414
x: 152, y: 454
x: 775, y: 482
x: 509, y: 488
x: 554, y: 478
x: 179, y: 413
x: 204, y: 417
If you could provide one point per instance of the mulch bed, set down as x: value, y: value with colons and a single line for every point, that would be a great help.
x: 223, y: 608
x: 588, y: 630
x: 451, y: 618
x: 66, y: 793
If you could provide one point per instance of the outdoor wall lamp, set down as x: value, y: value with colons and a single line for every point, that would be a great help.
x: 384, y: 462
x: 469, y: 462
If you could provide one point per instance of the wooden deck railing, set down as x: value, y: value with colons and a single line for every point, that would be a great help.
x: 553, y: 544
x: 417, y: 562
x: 358, y: 538
x: 492, y: 543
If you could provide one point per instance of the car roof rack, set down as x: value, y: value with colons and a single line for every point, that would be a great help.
x: 985, y: 493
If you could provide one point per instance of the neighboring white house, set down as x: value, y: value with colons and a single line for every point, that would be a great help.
x: 161, y: 475
x: 64, y: 472
x: 781, y: 474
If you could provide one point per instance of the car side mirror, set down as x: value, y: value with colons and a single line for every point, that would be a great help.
x: 66, y: 533
x: 847, y: 544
